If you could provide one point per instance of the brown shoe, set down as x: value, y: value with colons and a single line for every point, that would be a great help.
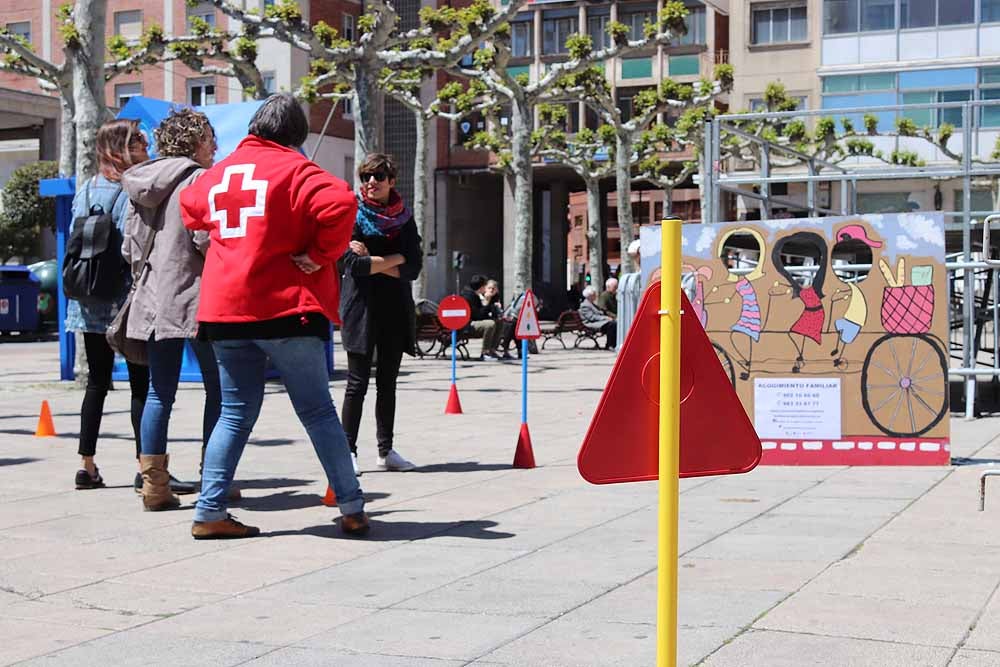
x: 223, y: 529
x: 354, y: 524
x: 156, y: 494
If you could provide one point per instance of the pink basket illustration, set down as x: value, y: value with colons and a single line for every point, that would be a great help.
x: 908, y: 309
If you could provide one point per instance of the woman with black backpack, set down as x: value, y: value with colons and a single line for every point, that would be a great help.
x: 119, y: 145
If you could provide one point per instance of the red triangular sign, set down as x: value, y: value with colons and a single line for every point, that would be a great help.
x: 527, y: 319
x: 717, y: 437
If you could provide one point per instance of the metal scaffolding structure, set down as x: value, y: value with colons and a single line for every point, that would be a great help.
x: 977, y: 275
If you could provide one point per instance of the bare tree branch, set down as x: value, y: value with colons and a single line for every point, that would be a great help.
x: 46, y: 70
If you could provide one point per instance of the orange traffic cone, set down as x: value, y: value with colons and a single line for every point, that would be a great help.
x: 45, y: 426
x: 330, y: 499
x: 454, y: 406
x: 524, y: 457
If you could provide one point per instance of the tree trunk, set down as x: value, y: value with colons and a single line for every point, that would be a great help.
x: 595, y: 242
x: 420, y: 194
x: 623, y: 183
x: 668, y: 201
x: 67, y: 139
x: 366, y: 115
x: 522, y: 123
x: 88, y: 83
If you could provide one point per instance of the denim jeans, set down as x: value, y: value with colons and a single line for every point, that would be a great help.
x: 242, y: 367
x: 165, y: 358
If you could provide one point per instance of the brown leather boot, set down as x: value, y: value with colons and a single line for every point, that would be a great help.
x: 156, y: 494
x: 354, y: 524
x: 223, y: 529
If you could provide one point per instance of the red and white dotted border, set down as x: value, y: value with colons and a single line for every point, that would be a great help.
x: 857, y: 451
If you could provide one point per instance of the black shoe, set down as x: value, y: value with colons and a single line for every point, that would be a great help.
x: 85, y: 481
x: 182, y: 488
x: 137, y: 483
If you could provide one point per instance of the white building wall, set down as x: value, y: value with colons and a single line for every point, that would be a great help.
x: 335, y: 155
x: 878, y: 48
x: 957, y: 43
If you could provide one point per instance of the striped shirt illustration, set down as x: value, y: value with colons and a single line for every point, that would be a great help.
x: 749, y: 322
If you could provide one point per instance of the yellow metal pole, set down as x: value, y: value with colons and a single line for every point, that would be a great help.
x: 669, y: 441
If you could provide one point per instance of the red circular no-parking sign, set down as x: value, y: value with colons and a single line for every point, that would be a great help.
x: 453, y: 312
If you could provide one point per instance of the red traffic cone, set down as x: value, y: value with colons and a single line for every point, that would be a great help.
x: 524, y: 457
x: 330, y: 499
x: 454, y: 406
x: 45, y: 426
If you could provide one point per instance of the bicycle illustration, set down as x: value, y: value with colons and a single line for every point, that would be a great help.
x: 904, y: 379
x: 904, y: 376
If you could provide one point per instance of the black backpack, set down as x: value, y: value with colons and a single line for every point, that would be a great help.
x: 94, y: 270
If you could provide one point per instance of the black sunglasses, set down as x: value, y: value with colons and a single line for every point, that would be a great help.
x: 379, y: 176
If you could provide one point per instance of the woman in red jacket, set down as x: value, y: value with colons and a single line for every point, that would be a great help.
x: 277, y: 224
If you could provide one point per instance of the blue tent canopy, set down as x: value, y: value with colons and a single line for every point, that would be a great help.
x: 229, y: 120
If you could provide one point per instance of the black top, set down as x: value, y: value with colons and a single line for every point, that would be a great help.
x: 476, y: 307
x: 291, y: 326
x: 368, y: 301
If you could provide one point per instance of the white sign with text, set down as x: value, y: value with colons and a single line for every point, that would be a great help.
x: 797, y: 408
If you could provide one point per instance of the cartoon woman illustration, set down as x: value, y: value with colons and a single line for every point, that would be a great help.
x: 807, y: 287
x: 700, y: 275
x: 749, y: 322
x: 851, y: 237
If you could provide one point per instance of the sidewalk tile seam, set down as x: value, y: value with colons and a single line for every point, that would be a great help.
x: 975, y: 622
x: 852, y: 637
x: 848, y: 555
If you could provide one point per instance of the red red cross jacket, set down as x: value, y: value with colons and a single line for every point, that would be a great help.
x: 261, y: 205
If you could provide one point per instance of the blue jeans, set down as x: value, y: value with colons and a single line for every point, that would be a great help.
x: 165, y: 358
x: 242, y: 367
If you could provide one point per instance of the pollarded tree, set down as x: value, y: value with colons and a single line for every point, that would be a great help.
x: 206, y: 50
x: 444, y: 37
x: 834, y: 141
x: 684, y: 102
x: 655, y: 145
x: 593, y: 155
x: 89, y: 63
x: 453, y: 103
x: 586, y: 153
x: 491, y: 69
x: 82, y: 30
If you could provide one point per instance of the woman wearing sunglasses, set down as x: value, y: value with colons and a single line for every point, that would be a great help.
x: 376, y: 304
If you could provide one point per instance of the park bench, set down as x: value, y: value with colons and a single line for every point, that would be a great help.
x: 434, y: 339
x: 569, y: 322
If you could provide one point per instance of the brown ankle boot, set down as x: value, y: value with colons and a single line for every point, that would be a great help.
x: 156, y: 495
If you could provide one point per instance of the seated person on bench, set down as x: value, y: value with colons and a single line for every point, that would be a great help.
x: 483, y: 324
x: 595, y: 319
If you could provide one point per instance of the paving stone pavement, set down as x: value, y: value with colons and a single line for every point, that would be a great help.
x: 471, y: 562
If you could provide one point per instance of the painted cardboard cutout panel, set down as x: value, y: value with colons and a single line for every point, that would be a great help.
x: 831, y: 329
